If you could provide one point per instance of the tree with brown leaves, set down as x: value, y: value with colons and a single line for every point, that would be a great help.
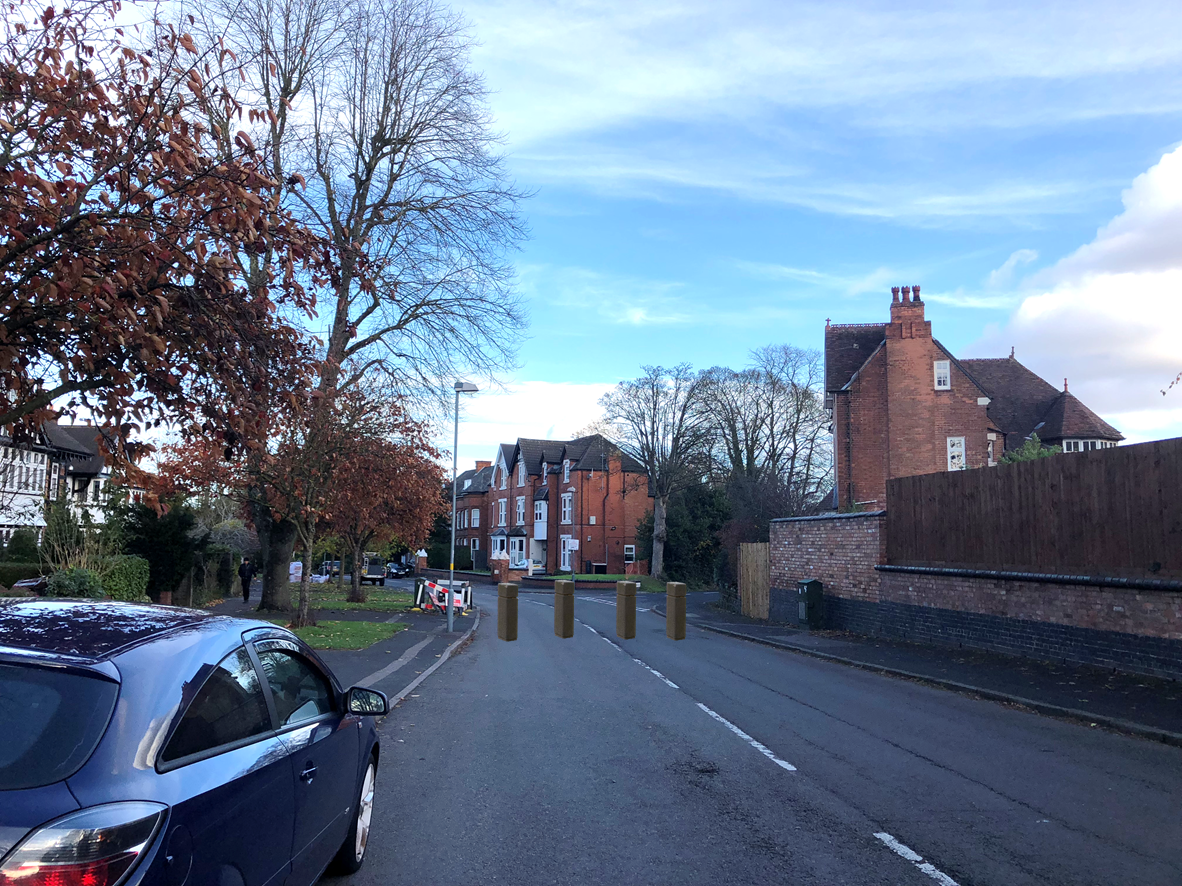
x: 389, y: 490
x: 123, y: 230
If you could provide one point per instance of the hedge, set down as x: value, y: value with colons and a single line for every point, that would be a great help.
x: 75, y: 582
x: 11, y: 573
x: 127, y: 579
x: 437, y: 556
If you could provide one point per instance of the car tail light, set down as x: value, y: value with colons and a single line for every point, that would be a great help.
x: 94, y: 847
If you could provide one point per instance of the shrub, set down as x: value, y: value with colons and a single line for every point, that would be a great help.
x: 22, y: 547
x: 75, y: 582
x: 127, y: 579
x: 11, y: 573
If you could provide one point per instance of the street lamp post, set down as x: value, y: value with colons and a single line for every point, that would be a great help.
x: 462, y: 387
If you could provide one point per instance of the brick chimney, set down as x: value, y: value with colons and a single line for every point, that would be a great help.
x: 481, y: 465
x: 907, y: 319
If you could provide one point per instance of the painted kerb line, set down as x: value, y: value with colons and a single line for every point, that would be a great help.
x: 916, y: 859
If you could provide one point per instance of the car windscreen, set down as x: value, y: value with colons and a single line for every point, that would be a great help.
x: 51, y: 721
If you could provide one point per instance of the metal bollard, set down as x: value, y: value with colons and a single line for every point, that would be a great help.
x: 564, y: 609
x: 626, y: 609
x: 507, y: 611
x: 675, y: 610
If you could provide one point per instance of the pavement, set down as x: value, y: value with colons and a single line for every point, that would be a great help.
x: 598, y: 760
x: 1146, y: 706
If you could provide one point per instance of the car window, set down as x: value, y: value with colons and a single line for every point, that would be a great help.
x: 301, y: 693
x: 229, y: 707
x: 51, y: 721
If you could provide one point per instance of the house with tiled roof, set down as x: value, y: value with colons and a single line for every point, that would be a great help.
x: 902, y: 404
x: 471, y: 494
x: 557, y: 506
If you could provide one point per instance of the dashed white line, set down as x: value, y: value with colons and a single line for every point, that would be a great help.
x: 759, y: 746
x: 916, y: 859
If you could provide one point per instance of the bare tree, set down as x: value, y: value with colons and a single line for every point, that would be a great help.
x: 770, y: 447
x: 660, y: 421
x: 380, y: 131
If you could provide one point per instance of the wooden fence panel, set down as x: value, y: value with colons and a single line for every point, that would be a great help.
x: 1112, y: 512
x: 754, y: 580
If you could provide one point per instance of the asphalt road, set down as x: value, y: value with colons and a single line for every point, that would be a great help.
x: 567, y: 761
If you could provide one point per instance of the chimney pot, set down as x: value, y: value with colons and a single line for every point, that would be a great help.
x: 895, y: 294
x: 915, y: 293
x: 906, y: 294
x: 1064, y: 386
x: 1011, y: 352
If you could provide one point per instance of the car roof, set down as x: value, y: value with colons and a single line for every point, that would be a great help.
x: 96, y: 630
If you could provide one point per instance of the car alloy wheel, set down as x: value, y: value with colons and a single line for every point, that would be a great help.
x: 364, y: 812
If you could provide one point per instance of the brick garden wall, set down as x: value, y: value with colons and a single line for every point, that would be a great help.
x: 1135, y: 629
x: 841, y: 551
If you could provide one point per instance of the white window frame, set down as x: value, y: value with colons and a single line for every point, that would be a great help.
x: 567, y: 508
x: 942, y: 374
x: 955, y: 444
x: 504, y: 478
x: 520, y: 510
x: 990, y: 448
x: 500, y: 545
x: 566, y: 470
x: 502, y: 510
x: 629, y: 553
x: 476, y: 518
x: 539, y: 512
x: 475, y: 545
x: 564, y: 552
x: 521, y: 473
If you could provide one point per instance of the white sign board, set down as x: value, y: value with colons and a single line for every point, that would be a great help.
x: 295, y: 571
x: 572, y: 545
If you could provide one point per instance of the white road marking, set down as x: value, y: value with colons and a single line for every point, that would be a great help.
x: 916, y: 859
x: 759, y: 746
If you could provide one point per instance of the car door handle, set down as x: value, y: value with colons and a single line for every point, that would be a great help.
x: 308, y: 774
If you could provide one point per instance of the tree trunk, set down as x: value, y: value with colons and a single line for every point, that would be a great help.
x: 660, y: 533
x: 278, y: 549
x: 355, y: 594
x: 339, y: 554
x: 303, y: 618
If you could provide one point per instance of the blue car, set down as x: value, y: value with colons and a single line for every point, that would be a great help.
x: 154, y: 745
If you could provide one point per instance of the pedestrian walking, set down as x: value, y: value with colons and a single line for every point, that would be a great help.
x: 246, y: 574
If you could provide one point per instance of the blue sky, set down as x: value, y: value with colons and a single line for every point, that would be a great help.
x: 712, y: 177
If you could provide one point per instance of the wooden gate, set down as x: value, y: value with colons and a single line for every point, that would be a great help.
x: 754, y: 580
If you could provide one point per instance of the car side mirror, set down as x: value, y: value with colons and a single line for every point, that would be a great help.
x: 368, y: 702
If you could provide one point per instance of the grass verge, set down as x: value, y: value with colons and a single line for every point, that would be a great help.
x: 344, y: 634
x: 377, y: 599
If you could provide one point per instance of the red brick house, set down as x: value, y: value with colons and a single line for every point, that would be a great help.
x: 902, y: 404
x: 547, y: 495
x: 471, y: 526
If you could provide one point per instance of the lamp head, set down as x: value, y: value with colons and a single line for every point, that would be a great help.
x: 466, y: 387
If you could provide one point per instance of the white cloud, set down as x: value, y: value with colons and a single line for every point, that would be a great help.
x: 1107, y: 316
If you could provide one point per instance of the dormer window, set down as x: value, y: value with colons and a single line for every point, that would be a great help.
x: 943, y: 373
x: 545, y: 468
